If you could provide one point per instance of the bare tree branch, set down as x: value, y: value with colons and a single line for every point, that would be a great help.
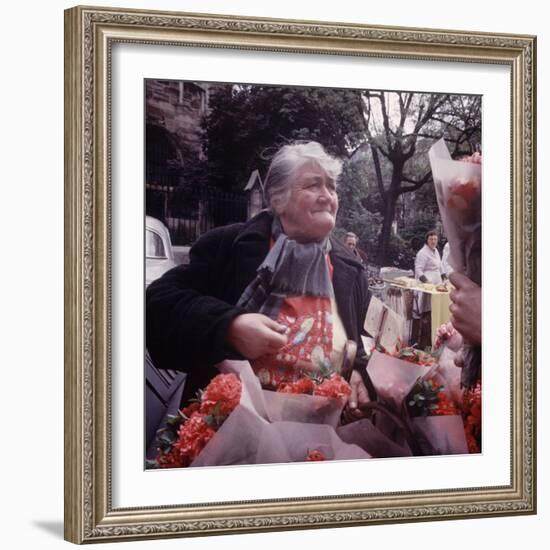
x: 378, y: 170
x: 416, y: 184
x: 386, y: 121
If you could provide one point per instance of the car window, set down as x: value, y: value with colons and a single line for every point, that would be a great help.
x: 154, y: 248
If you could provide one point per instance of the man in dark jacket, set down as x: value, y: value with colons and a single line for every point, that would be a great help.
x: 350, y: 241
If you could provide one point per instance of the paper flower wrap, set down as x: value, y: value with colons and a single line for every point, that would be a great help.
x: 265, y: 426
x: 395, y: 379
x: 458, y: 189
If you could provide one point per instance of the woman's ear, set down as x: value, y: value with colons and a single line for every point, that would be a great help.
x: 278, y: 204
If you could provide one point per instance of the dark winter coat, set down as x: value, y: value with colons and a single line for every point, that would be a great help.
x: 189, y: 309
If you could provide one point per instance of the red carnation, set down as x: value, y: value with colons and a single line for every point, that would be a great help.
x: 191, y: 408
x: 472, y: 418
x: 171, y: 459
x: 473, y: 159
x: 314, y: 456
x: 335, y: 386
x: 445, y: 407
x: 193, y: 436
x: 302, y: 385
x: 224, y: 390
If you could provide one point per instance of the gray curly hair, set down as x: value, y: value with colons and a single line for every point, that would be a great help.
x: 285, y: 163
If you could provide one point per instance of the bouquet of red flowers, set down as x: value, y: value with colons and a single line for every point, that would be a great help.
x: 326, y: 383
x: 458, y: 189
x: 429, y: 398
x: 317, y: 398
x: 186, y: 434
x: 471, y: 406
x: 394, y: 375
x: 235, y: 421
x: 413, y: 384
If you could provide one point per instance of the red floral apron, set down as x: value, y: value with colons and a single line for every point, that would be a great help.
x: 309, y: 322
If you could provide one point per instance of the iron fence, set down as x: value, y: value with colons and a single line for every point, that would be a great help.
x: 189, y: 211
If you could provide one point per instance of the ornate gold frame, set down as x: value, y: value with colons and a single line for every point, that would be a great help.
x: 89, y: 34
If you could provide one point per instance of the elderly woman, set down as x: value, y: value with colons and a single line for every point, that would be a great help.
x: 277, y: 290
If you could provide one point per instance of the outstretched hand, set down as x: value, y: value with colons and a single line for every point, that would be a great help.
x: 359, y: 396
x: 466, y: 308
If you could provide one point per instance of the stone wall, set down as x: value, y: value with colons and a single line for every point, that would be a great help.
x: 178, y: 107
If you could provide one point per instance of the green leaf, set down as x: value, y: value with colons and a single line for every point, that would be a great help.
x: 216, y: 409
x: 166, y: 439
x: 209, y: 420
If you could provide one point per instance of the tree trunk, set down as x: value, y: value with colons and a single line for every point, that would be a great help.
x: 385, y: 232
x: 389, y: 215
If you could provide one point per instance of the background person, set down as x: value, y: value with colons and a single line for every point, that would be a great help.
x: 350, y: 241
x: 427, y: 269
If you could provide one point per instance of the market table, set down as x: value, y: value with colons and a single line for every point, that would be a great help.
x: 400, y: 297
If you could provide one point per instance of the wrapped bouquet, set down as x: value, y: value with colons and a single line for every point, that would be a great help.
x: 235, y: 421
x: 425, y: 391
x: 458, y: 189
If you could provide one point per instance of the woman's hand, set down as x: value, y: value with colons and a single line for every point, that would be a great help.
x: 466, y: 308
x: 254, y: 335
x: 359, y: 396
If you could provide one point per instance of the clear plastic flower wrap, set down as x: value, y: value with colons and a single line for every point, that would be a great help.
x: 393, y: 378
x: 308, y: 409
x: 237, y: 422
x: 272, y: 427
x: 433, y: 424
x: 450, y: 374
x: 445, y: 434
x: 458, y: 189
x: 372, y: 439
x: 437, y: 422
x: 285, y: 441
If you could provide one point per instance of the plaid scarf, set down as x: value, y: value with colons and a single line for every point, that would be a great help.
x: 290, y: 269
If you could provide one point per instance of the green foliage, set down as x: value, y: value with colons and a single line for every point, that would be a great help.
x: 383, y: 138
x: 353, y: 191
x: 151, y: 464
x: 247, y: 124
x: 325, y: 372
x: 424, y: 397
x: 215, y: 419
x: 400, y: 253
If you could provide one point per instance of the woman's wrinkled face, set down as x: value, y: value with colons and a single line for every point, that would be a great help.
x: 310, y: 213
x: 432, y: 241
